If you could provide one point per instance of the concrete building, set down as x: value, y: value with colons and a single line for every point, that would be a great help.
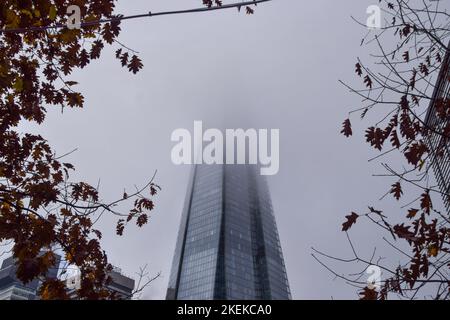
x: 122, y: 285
x: 12, y: 288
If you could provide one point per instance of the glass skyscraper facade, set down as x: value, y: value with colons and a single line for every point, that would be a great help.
x: 437, y: 142
x: 228, y: 246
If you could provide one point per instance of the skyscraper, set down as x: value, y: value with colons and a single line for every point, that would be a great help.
x: 228, y: 245
x: 436, y: 141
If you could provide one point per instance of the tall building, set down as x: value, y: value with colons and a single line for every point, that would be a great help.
x: 120, y: 284
x: 436, y: 141
x: 228, y: 246
x: 12, y: 288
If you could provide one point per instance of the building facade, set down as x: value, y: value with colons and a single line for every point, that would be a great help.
x: 228, y: 246
x: 438, y: 143
x: 120, y: 284
x: 12, y: 288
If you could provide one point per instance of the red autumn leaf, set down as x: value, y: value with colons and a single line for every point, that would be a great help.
x: 415, y: 152
x: 346, y: 128
x: 425, y: 202
x: 358, y: 69
x: 74, y: 99
x: 396, y: 190
x: 406, y: 56
x: 153, y: 190
x: 368, y: 81
x: 97, y: 233
x: 120, y: 227
x: 394, y: 139
x: 96, y: 49
x: 376, y: 137
x: 424, y: 69
x: 107, y: 33
x: 124, y: 59
x: 141, y: 220
x: 351, y: 219
x: 135, y: 64
x: 368, y: 294
x: 403, y: 231
x: 412, y: 82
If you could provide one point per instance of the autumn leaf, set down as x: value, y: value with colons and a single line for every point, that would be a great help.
x: 368, y: 294
x: 396, y: 190
x: 69, y: 36
x: 421, y: 164
x: 403, y: 231
x: 52, y: 13
x: 412, y: 81
x: 394, y: 139
x: 75, y: 99
x: 38, y: 152
x: 208, y: 3
x: 84, y: 58
x: 12, y: 19
x: 135, y: 64
x: 406, y: 56
x: 107, y: 33
x: 415, y: 152
x: 120, y: 227
x: 97, y: 233
x: 141, y: 220
x: 425, y: 202
x: 124, y: 59
x: 358, y: 69
x: 412, y: 213
x: 346, y: 128
x: 144, y: 204
x: 351, y: 219
x: 376, y: 137
x: 18, y: 85
x: 368, y: 81
x: 53, y: 289
x: 406, y: 30
x: 153, y: 190
x: 96, y: 49
x: 433, y: 251
x: 424, y: 69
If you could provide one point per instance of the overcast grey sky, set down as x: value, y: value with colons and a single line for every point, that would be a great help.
x: 276, y: 69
